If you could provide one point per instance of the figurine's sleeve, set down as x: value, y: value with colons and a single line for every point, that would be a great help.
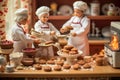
x: 68, y: 23
x: 37, y: 27
x: 23, y: 36
x: 85, y: 27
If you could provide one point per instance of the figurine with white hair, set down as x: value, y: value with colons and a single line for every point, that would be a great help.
x: 45, y: 27
x: 19, y: 36
x: 81, y: 25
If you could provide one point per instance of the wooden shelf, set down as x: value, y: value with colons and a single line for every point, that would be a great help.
x: 59, y: 17
x: 98, y: 42
x: 91, y: 17
x: 104, y: 17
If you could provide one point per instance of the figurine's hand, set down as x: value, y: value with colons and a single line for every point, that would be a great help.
x: 37, y: 41
x: 73, y: 34
x: 69, y: 27
x: 62, y: 30
x: 52, y: 33
x: 32, y: 36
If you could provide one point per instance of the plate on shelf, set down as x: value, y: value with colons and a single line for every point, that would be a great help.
x: 66, y: 10
x: 105, y: 8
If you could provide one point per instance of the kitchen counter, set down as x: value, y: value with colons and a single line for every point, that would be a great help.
x: 98, y: 71
x: 98, y: 41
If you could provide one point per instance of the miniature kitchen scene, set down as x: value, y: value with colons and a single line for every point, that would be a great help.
x: 59, y: 40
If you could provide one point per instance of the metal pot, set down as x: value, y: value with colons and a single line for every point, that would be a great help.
x: 106, y: 31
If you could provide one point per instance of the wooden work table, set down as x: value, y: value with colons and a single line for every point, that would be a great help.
x: 98, y: 71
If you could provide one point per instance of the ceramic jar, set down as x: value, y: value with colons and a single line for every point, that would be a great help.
x: 95, y: 8
x: 9, y: 68
x: 16, y: 58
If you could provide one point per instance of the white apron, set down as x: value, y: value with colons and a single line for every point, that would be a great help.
x: 48, y: 51
x: 80, y: 41
x: 18, y: 46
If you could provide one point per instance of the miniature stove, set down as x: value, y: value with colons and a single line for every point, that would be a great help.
x: 112, y: 49
x: 113, y: 56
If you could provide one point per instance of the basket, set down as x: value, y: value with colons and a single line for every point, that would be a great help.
x: 29, y: 51
x: 6, y: 44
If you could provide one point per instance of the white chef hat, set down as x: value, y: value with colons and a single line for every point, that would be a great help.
x: 21, y: 11
x: 21, y: 14
x: 42, y: 10
x: 80, y: 5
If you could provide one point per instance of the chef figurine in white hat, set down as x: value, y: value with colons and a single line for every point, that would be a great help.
x: 19, y: 36
x: 45, y: 27
x: 81, y: 26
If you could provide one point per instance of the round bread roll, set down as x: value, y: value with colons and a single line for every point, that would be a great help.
x: 50, y: 62
x: 47, y: 68
x: 57, y: 68
x: 66, y: 66
x: 72, y: 52
x: 81, y: 62
x: 76, y: 66
x: 37, y: 66
x: 42, y: 61
x: 74, y: 49
x: 65, y: 51
x: 86, y: 66
x: 60, y: 63
x: 68, y: 47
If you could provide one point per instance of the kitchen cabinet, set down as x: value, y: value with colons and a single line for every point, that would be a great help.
x: 101, y: 21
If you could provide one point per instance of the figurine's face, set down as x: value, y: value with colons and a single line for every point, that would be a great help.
x: 78, y: 12
x: 44, y: 18
x: 23, y: 22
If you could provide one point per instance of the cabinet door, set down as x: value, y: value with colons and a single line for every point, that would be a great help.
x: 96, y: 48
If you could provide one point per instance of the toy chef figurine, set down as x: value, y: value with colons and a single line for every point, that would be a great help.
x: 81, y: 25
x: 20, y: 38
x: 45, y: 27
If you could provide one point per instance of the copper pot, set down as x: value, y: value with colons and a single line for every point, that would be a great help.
x: 27, y: 61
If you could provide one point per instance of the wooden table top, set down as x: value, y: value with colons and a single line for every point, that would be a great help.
x: 97, y: 71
